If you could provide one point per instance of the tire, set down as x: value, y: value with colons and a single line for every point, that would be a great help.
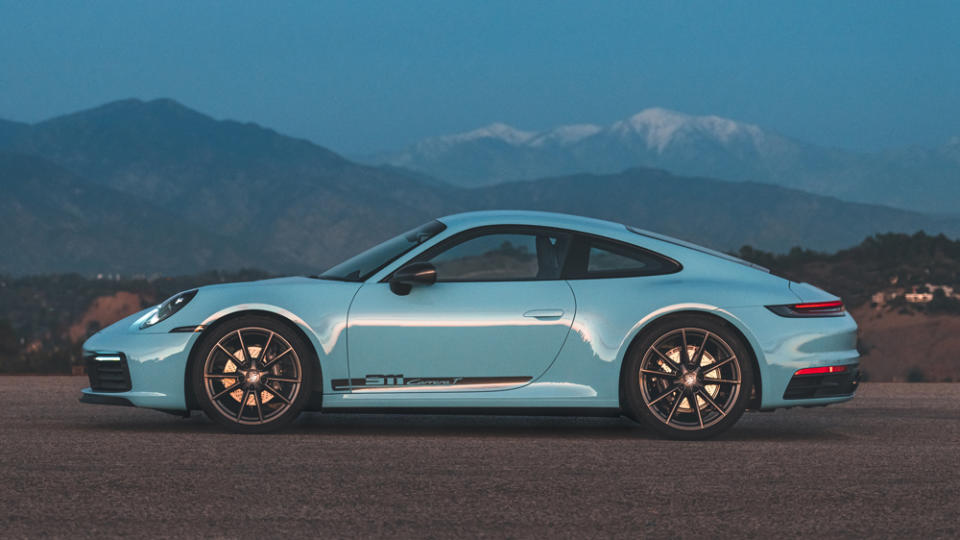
x: 274, y: 376
x: 671, y: 392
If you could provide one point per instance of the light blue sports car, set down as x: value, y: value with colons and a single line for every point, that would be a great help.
x: 500, y: 312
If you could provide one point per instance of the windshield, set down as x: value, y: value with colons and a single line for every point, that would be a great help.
x: 360, y: 267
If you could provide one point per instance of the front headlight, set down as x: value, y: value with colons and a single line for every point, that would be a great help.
x: 170, y: 306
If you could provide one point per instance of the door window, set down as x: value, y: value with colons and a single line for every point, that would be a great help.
x: 501, y: 256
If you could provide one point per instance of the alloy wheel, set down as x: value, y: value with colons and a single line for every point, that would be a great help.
x: 252, y: 375
x: 690, y: 379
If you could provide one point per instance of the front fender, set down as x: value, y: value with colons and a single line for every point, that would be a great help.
x: 318, y: 309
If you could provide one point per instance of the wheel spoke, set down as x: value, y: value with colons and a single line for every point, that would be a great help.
x: 712, y: 367
x: 657, y: 373
x: 684, y: 355
x: 226, y: 390
x: 246, y: 353
x: 665, y: 394
x: 262, y: 357
x: 708, y: 382
x: 696, y: 407
x: 280, y: 379
x: 277, y: 394
x: 256, y: 398
x: 221, y: 375
x: 243, y: 404
x: 275, y: 358
x: 698, y: 355
x: 229, y: 354
x: 706, y: 397
x: 673, y: 365
x: 676, y: 404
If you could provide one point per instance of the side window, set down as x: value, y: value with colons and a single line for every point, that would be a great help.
x: 501, y: 256
x: 598, y: 258
x: 604, y: 259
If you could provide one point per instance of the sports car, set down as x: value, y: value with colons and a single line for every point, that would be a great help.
x: 500, y: 312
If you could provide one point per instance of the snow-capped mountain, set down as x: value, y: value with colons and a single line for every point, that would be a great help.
x: 691, y: 145
x: 656, y: 137
x: 661, y: 128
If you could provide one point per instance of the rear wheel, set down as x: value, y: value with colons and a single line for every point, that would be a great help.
x: 252, y: 374
x: 688, y: 378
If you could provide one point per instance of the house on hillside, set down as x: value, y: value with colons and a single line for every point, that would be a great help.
x: 919, y: 294
x: 918, y: 297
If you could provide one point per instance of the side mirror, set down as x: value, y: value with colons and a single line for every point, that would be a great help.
x: 421, y: 273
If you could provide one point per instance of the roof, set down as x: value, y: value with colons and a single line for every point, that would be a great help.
x: 468, y: 220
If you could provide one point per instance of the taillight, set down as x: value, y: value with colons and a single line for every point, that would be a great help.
x: 833, y: 308
x: 821, y: 370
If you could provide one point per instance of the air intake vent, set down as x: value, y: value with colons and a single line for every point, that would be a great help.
x: 108, y: 372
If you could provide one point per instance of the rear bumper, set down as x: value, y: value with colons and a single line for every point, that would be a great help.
x: 823, y: 386
x: 785, y: 345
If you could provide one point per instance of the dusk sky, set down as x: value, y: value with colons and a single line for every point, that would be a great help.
x: 360, y: 77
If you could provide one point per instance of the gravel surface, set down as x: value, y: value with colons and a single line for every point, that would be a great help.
x: 886, y: 464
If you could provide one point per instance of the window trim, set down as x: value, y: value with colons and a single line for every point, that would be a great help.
x: 575, y: 238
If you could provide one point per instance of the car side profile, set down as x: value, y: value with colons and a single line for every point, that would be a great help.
x: 491, y: 312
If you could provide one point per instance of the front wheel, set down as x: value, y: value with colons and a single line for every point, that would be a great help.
x: 688, y: 378
x: 252, y: 374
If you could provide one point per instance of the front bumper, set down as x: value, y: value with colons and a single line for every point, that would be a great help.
x: 155, y: 364
x: 97, y: 399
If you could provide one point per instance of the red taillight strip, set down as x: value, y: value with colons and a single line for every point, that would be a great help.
x: 833, y: 308
x: 834, y: 304
x: 820, y: 370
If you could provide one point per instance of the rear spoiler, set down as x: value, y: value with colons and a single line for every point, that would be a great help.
x: 695, y: 247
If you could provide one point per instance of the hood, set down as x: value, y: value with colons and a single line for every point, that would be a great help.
x: 292, y: 280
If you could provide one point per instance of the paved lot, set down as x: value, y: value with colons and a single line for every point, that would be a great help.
x: 886, y: 464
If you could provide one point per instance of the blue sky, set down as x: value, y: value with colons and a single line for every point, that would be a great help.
x: 364, y: 76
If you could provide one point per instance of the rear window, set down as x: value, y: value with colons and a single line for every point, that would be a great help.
x: 594, y: 258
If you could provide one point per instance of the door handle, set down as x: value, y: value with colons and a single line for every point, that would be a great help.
x: 544, y: 314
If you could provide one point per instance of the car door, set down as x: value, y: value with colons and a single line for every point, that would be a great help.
x: 495, y: 319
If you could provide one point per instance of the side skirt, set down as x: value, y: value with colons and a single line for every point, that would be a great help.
x: 481, y: 411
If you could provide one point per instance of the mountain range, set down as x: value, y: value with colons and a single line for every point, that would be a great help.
x: 154, y: 187
x: 925, y: 180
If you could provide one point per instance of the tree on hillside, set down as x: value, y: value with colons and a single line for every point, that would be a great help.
x: 9, y: 344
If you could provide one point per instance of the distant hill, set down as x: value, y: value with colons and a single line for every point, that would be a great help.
x: 926, y: 180
x: 880, y: 262
x: 56, y: 221
x: 11, y: 131
x: 155, y: 187
x: 274, y: 195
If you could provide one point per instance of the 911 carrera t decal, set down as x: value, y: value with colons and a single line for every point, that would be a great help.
x: 393, y: 383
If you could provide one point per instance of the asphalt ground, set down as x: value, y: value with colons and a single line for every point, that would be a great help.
x: 886, y: 464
